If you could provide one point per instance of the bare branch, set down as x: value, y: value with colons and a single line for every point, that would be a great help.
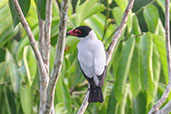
x: 162, y: 100
x: 47, y: 32
x: 30, y: 36
x: 59, y: 57
x: 111, y: 48
x: 166, y: 109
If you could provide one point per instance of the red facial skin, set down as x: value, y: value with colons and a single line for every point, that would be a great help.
x: 74, y: 32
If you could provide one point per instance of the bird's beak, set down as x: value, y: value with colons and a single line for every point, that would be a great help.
x: 71, y: 32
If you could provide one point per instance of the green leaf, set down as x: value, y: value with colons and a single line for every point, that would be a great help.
x: 86, y: 10
x: 151, y: 16
x: 122, y: 4
x: 26, y: 95
x: 136, y: 26
x: 134, y: 75
x: 30, y: 63
x: 147, y: 76
x: 156, y: 69
x: 111, y: 103
x: 41, y: 7
x: 25, y: 6
x: 123, y: 68
x: 161, y: 47
x: 146, y: 50
x: 14, y: 76
x: 117, y: 13
x: 139, y: 104
x: 8, y: 35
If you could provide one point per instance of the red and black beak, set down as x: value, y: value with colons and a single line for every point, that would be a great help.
x: 71, y: 32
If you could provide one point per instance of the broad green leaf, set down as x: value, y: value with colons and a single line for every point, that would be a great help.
x: 26, y: 96
x: 136, y: 26
x: 14, y: 76
x: 123, y: 68
x: 147, y: 76
x: 134, y: 75
x: 151, y: 16
x: 41, y: 7
x: 59, y: 109
x: 146, y: 50
x: 122, y: 105
x: 156, y: 71
x: 160, y: 29
x: 88, y: 10
x: 117, y: 13
x: 25, y: 6
x: 111, y: 103
x: 161, y: 47
x: 30, y: 63
x: 8, y: 35
x: 67, y: 99
x: 139, y: 104
x: 122, y: 4
x: 97, y: 23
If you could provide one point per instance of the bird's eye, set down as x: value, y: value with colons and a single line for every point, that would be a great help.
x: 77, y: 31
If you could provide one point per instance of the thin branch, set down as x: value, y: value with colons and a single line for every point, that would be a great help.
x: 30, y: 36
x: 59, y: 57
x: 166, y: 109
x: 162, y: 100
x: 111, y: 48
x: 47, y: 32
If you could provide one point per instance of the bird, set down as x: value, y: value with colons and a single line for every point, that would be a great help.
x: 91, y: 55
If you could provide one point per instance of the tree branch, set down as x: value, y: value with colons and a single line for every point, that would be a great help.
x: 47, y: 32
x: 59, y: 57
x: 30, y: 36
x: 161, y: 101
x: 111, y: 48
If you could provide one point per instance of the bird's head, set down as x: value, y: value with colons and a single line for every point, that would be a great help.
x: 81, y: 31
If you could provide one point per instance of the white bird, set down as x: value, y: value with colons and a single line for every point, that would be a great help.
x: 92, y: 59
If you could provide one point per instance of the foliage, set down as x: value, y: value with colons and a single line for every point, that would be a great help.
x: 137, y: 74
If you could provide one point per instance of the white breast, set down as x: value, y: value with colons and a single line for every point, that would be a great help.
x: 91, y: 55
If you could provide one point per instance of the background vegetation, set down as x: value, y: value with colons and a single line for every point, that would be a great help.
x: 137, y: 74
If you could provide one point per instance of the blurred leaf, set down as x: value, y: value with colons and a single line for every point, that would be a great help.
x: 161, y: 47
x: 30, y: 63
x: 123, y: 69
x: 147, y: 76
x: 117, y: 13
x: 122, y: 4
x: 151, y: 16
x: 139, y: 104
x: 136, y: 27
x: 111, y: 103
x: 15, y: 79
x: 134, y: 75
x: 41, y: 7
x: 25, y: 5
x: 89, y: 8
x: 59, y: 109
x: 156, y: 70
x: 26, y: 95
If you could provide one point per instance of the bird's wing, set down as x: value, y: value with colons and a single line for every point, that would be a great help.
x: 99, y: 59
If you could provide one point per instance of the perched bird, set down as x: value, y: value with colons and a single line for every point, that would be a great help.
x: 92, y: 60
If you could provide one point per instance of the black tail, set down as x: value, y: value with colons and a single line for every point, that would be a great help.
x: 95, y: 95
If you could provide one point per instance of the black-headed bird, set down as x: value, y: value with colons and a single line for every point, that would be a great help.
x: 92, y: 60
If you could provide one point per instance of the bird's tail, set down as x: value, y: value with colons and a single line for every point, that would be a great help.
x: 95, y: 95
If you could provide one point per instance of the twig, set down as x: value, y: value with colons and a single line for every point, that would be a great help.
x: 30, y: 36
x: 166, y: 109
x: 111, y: 48
x: 47, y: 32
x: 59, y: 57
x: 161, y: 101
